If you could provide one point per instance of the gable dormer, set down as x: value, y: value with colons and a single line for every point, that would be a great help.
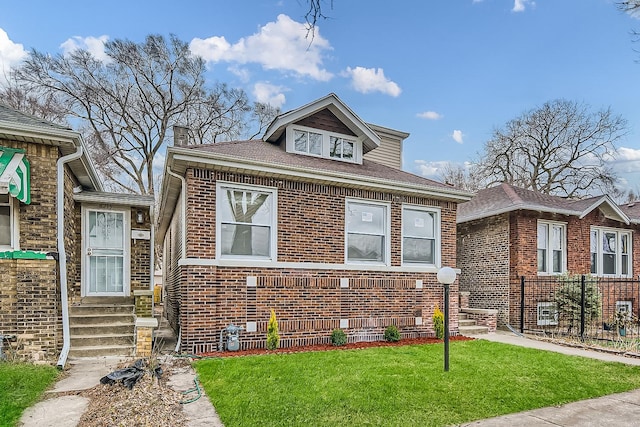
x: 325, y: 128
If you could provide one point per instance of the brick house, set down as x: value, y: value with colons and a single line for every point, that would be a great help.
x: 506, y: 232
x: 305, y: 223
x: 66, y: 247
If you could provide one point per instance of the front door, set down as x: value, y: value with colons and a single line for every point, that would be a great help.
x: 106, y: 253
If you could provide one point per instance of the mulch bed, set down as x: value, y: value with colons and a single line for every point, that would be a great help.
x: 327, y: 347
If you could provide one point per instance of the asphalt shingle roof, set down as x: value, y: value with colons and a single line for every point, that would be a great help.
x: 11, y: 115
x: 259, y: 150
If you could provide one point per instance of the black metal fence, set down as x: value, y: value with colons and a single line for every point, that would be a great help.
x: 577, y: 306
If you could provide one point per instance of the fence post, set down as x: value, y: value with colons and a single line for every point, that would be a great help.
x: 522, y: 304
x: 582, y: 305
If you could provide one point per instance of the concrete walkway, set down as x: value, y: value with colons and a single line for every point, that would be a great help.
x: 85, y: 373
x: 621, y: 409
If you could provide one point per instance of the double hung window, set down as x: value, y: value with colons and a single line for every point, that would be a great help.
x: 610, y: 252
x: 420, y: 236
x: 6, y: 222
x: 551, y: 247
x: 367, y: 232
x: 246, y: 222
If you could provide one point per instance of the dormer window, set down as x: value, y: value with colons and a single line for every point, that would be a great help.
x: 308, y: 142
x: 321, y: 143
x: 341, y: 148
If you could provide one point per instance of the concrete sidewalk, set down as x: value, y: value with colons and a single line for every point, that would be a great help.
x: 621, y: 409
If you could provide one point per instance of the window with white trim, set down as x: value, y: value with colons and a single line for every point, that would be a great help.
x: 322, y: 143
x: 547, y: 313
x: 246, y: 222
x: 610, y: 252
x: 420, y: 235
x: 624, y: 307
x: 552, y: 253
x: 6, y: 222
x: 367, y: 232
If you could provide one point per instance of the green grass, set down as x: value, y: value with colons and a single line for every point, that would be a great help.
x: 21, y: 385
x: 401, y: 386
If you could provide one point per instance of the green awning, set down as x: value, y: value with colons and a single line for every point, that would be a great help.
x: 15, y: 174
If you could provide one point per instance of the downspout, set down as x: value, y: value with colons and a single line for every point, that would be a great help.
x: 183, y: 244
x: 62, y: 257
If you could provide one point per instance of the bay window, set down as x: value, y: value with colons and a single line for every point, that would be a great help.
x: 246, y: 222
x: 552, y: 252
x: 367, y: 232
x: 610, y: 252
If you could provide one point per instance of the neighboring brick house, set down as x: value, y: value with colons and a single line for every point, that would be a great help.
x: 506, y: 232
x: 300, y: 223
x: 60, y: 234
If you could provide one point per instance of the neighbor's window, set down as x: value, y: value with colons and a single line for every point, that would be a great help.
x: 246, y: 219
x: 547, y: 313
x: 6, y: 221
x: 307, y: 142
x: 420, y: 240
x: 367, y: 232
x: 624, y: 307
x: 551, y: 247
x: 610, y: 252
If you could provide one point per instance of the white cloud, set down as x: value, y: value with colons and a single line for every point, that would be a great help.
x: 10, y: 54
x: 282, y: 45
x: 520, y: 5
x: 269, y: 94
x: 457, y: 136
x: 366, y: 80
x: 94, y: 45
x: 430, y: 115
x: 430, y: 169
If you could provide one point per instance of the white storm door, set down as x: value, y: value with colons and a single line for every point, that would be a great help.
x: 106, y: 260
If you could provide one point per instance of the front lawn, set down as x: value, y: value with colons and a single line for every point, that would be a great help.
x: 401, y: 386
x: 21, y: 385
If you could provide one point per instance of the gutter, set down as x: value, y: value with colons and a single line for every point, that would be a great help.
x: 183, y: 244
x: 62, y: 256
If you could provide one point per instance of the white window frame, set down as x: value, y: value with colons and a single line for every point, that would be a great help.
x: 624, y: 307
x: 550, y: 225
x: 547, y: 320
x: 273, y: 235
x: 436, y: 232
x: 13, y: 224
x: 599, y: 251
x: 386, y: 227
x: 326, y: 143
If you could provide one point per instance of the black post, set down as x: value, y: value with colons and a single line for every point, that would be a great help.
x: 583, y: 308
x: 446, y: 327
x: 522, y: 304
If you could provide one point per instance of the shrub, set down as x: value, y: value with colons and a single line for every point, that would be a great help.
x: 568, y: 301
x: 391, y: 334
x: 273, y: 338
x: 338, y: 337
x: 438, y: 322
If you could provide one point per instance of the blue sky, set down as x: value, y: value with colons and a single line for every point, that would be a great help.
x: 448, y: 72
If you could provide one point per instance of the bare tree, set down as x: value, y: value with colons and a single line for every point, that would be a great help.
x: 313, y: 15
x: 561, y: 148
x: 128, y: 103
x: 463, y: 177
x: 42, y: 105
x: 632, y: 7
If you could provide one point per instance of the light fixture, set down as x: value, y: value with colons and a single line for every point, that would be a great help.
x: 446, y: 276
x: 140, y: 217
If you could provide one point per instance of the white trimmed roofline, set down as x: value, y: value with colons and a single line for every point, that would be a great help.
x: 616, y: 209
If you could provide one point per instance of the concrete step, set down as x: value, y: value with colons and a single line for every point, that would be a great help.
x: 101, y: 309
x: 466, y: 322
x: 98, y: 328
x: 93, y: 351
x: 107, y: 300
x: 463, y: 316
x: 93, y: 319
x: 102, y: 340
x: 473, y: 330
